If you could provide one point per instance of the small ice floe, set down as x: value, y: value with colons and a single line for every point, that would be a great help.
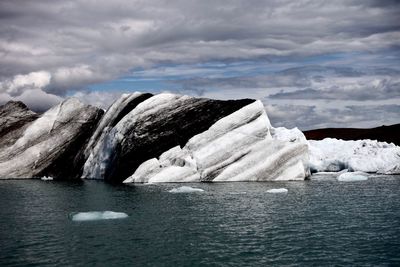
x: 98, y: 215
x: 46, y: 178
x: 352, y: 177
x: 277, y: 190
x: 185, y: 189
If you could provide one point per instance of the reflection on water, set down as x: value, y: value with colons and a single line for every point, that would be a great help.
x: 322, y: 222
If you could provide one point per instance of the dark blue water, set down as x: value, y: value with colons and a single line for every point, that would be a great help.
x: 318, y: 222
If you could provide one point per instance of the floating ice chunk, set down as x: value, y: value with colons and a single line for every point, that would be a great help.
x: 185, y: 189
x: 98, y: 215
x: 352, y: 177
x: 46, y: 178
x: 277, y: 190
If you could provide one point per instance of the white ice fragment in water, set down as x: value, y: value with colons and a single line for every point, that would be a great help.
x: 277, y: 190
x: 185, y: 189
x: 98, y: 215
x: 46, y: 178
x: 352, y: 177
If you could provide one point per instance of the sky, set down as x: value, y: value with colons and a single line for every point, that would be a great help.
x: 314, y: 64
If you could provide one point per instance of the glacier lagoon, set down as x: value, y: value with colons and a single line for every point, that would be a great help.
x: 321, y: 221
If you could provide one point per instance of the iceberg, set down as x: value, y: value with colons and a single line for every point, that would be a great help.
x: 46, y: 178
x: 49, y: 145
x: 238, y: 147
x: 369, y: 156
x: 352, y: 177
x: 185, y: 189
x: 277, y: 190
x: 151, y: 128
x: 98, y: 215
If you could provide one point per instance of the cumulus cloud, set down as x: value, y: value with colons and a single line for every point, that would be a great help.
x: 121, y: 34
x: 36, y: 99
x: 19, y: 83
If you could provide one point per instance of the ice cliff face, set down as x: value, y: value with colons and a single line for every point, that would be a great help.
x: 152, y: 127
x: 49, y: 145
x: 14, y: 118
x: 172, y: 138
x: 238, y: 147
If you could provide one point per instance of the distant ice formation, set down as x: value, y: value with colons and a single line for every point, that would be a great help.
x: 352, y: 177
x: 368, y: 156
x: 98, y: 215
x: 277, y: 190
x: 46, y: 178
x: 185, y: 189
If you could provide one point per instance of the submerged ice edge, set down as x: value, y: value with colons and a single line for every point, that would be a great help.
x: 97, y: 215
x: 185, y: 189
x: 352, y: 177
x: 277, y: 190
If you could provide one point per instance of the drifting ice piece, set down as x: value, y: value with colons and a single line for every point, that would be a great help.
x: 352, y: 177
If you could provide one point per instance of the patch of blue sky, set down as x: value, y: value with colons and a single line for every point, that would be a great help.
x: 161, y: 77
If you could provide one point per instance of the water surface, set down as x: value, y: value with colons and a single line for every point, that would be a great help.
x: 321, y: 222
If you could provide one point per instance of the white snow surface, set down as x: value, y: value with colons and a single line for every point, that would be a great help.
x: 98, y: 215
x: 352, y: 177
x: 368, y: 156
x: 185, y: 189
x: 238, y: 147
x: 277, y: 190
x: 289, y: 135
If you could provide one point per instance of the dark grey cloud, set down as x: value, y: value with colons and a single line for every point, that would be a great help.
x: 360, y: 89
x: 309, y: 82
x: 107, y: 38
x: 312, y: 117
x: 53, y: 49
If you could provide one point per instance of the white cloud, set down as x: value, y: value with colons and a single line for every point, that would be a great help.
x: 19, y: 83
x: 98, y: 98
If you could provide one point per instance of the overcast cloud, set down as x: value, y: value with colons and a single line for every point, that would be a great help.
x: 299, y: 57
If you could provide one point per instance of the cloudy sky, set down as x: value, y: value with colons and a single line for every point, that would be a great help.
x: 312, y: 63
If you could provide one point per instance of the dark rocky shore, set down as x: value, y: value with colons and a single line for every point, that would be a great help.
x: 390, y: 134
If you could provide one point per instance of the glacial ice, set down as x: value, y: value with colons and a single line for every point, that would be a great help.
x: 98, y: 215
x: 368, y: 156
x: 185, y: 189
x: 352, y: 177
x: 47, y: 139
x: 238, y: 147
x: 277, y: 190
x: 289, y: 135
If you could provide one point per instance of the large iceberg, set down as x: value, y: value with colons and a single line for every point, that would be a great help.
x: 49, y: 145
x: 238, y: 147
x: 145, y: 138
x: 151, y: 128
